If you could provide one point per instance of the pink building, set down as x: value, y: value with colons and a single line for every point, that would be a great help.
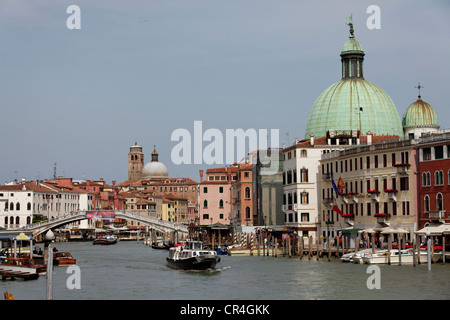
x: 215, y: 197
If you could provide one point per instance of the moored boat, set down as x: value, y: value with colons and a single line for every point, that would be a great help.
x: 192, y: 257
x: 21, y: 267
x: 106, y: 240
x: 406, y: 257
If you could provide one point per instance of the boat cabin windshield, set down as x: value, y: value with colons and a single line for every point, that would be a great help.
x: 195, y: 245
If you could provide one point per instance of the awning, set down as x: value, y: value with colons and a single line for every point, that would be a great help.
x: 437, y: 229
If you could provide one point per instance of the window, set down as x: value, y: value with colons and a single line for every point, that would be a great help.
x: 205, y: 216
x: 384, y: 160
x: 393, y: 159
x: 29, y: 206
x: 303, y: 153
x: 394, y: 208
x: 304, y: 198
x: 405, y: 208
x: 368, y: 162
x: 220, y: 203
x: 369, y: 209
x: 404, y: 183
x: 304, y: 175
x: 205, y: 189
x: 438, y: 178
x: 220, y: 189
x: 439, y: 152
x: 247, y: 213
x: 247, y: 193
x: 439, y: 202
x: 426, y: 203
x: 305, y: 217
x: 375, y: 160
x: 205, y: 204
x: 17, y: 206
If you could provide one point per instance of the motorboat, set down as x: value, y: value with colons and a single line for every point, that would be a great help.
x: 162, y: 245
x: 192, y: 256
x: 21, y: 267
x: 105, y: 240
x: 406, y: 257
x: 356, y: 257
x: 61, y: 258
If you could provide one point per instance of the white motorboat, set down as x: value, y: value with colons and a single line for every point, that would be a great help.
x: 407, y: 256
x: 356, y: 257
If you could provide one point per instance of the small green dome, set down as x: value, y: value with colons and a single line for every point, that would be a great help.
x: 354, y: 103
x: 420, y: 114
x: 352, y: 45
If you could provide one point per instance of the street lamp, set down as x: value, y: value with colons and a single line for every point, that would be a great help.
x: 48, y: 239
x: 428, y: 250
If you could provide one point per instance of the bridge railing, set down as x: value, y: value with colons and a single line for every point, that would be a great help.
x: 55, y: 219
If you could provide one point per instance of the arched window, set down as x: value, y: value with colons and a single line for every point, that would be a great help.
x: 6, y: 206
x: 6, y: 221
x: 247, y: 193
x: 424, y: 179
x: 303, y: 153
x: 29, y: 206
x: 426, y: 203
x: 17, y: 206
x: 11, y: 206
x: 247, y: 213
x: 17, y: 220
x: 428, y: 179
x: 205, y: 204
x: 220, y: 203
x: 304, y: 198
x: 439, y: 202
x: 11, y: 220
x: 304, y: 175
x: 28, y: 220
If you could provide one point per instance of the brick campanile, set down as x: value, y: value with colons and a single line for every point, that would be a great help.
x: 135, y: 162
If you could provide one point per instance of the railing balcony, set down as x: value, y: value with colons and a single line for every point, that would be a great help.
x: 327, y: 176
x: 436, y: 215
x: 383, y: 218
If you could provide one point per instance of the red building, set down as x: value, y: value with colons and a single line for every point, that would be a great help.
x: 434, y: 185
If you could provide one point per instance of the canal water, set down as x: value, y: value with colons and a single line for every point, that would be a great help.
x: 133, y: 271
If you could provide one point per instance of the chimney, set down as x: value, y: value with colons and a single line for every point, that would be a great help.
x: 369, y: 138
x: 201, y: 175
x: 311, y: 139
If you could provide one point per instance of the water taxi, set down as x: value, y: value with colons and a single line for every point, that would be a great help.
x: 61, y: 258
x: 105, y: 240
x: 406, y: 257
x: 192, y: 256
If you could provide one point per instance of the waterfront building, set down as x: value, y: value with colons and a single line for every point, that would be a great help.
x: 28, y: 201
x: 353, y: 102
x: 267, y: 188
x: 215, y: 197
x: 379, y: 196
x: 242, y: 197
x: 434, y: 183
x: 300, y: 180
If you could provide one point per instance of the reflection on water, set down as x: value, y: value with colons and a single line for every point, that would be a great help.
x: 130, y: 270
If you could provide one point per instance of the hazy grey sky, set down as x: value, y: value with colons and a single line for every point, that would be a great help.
x: 138, y: 70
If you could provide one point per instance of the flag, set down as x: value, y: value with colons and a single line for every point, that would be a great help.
x: 334, y: 186
x: 341, y: 185
x: 336, y: 208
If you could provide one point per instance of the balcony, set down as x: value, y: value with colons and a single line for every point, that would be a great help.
x: 436, y: 215
x: 383, y: 218
x: 349, y: 219
x: 374, y: 195
x: 402, y: 168
x: 392, y: 194
x: 327, y: 202
x: 327, y: 176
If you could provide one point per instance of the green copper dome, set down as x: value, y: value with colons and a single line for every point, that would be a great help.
x: 353, y: 102
x: 420, y: 114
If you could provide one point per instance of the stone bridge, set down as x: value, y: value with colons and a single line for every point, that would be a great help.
x: 54, y: 223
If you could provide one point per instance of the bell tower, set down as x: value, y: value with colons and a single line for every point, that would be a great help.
x: 135, y: 162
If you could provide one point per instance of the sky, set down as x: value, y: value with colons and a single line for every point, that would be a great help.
x: 137, y: 71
